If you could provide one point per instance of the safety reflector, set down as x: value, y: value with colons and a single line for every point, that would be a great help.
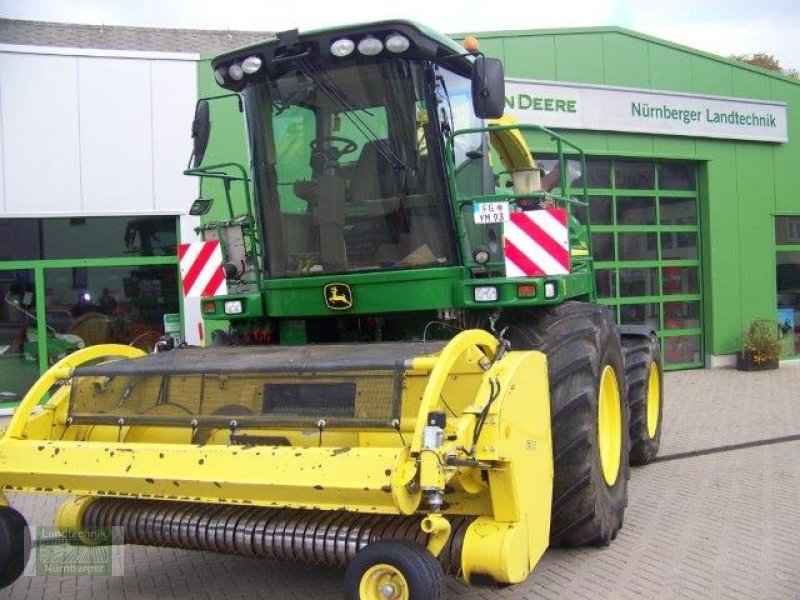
x: 537, y: 243
x: 201, y: 269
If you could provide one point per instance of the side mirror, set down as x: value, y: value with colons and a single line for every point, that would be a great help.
x: 201, y: 206
x: 488, y: 88
x: 201, y: 129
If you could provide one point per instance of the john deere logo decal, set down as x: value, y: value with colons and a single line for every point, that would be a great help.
x: 338, y: 296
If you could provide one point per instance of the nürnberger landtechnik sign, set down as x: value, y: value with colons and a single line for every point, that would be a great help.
x: 606, y: 108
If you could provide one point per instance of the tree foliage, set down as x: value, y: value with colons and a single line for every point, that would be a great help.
x: 766, y: 61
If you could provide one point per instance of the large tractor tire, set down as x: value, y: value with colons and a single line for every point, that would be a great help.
x: 645, y: 396
x: 589, y: 417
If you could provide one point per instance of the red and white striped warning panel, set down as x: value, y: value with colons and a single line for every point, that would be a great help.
x: 201, y: 269
x: 537, y: 243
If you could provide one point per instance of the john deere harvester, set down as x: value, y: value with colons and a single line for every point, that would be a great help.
x: 414, y: 378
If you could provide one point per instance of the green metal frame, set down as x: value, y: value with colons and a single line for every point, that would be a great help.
x: 40, y: 266
x: 250, y: 225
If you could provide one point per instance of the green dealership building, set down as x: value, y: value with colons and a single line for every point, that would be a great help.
x: 693, y: 169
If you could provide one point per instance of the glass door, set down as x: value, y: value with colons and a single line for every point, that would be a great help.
x: 787, y: 279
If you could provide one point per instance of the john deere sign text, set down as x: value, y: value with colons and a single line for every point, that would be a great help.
x: 603, y: 108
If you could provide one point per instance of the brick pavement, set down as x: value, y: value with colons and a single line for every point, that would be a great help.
x: 722, y: 525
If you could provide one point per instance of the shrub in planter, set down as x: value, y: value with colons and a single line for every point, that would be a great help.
x: 762, y: 347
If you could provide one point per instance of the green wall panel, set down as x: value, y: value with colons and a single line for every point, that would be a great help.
x: 625, y: 60
x: 756, y: 192
x: 719, y: 216
x: 787, y: 173
x: 670, y: 69
x: 491, y: 46
x: 674, y: 147
x: 711, y: 77
x: 579, y: 57
x: 630, y: 144
x: 530, y: 57
x: 747, y: 84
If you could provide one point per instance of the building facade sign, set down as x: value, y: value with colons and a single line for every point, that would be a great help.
x: 605, y: 108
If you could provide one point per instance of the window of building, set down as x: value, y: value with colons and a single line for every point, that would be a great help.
x: 787, y: 279
x: 95, y: 280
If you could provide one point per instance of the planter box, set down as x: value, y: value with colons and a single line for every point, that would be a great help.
x: 745, y: 362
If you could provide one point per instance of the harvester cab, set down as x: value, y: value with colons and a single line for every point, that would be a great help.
x: 489, y: 407
x: 374, y: 167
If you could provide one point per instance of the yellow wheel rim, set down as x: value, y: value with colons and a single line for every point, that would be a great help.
x: 609, y: 425
x: 382, y: 582
x: 653, y: 400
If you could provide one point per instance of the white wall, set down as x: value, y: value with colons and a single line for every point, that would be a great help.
x: 95, y: 132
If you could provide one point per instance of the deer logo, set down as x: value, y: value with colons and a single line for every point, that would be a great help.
x: 338, y: 296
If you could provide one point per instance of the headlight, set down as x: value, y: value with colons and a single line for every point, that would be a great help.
x: 397, y: 43
x: 370, y: 46
x: 233, y: 307
x: 550, y: 290
x: 235, y: 71
x: 481, y: 256
x: 342, y: 47
x: 487, y: 293
x: 251, y: 64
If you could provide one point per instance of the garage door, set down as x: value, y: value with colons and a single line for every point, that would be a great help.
x: 646, y: 237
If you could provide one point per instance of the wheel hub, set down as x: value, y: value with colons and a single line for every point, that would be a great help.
x: 609, y: 425
x: 383, y: 581
x: 653, y: 400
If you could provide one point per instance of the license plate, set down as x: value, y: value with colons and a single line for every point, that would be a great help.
x: 487, y: 213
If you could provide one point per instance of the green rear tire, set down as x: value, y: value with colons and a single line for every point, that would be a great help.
x: 645, y: 396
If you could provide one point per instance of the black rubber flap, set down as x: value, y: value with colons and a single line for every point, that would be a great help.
x: 268, y: 359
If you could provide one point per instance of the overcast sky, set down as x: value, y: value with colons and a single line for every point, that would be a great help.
x: 720, y: 26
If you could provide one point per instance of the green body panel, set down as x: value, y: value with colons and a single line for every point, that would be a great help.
x: 394, y: 292
x: 742, y: 184
x: 411, y: 290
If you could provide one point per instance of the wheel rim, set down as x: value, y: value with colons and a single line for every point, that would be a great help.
x: 382, y: 582
x: 609, y: 425
x: 653, y: 400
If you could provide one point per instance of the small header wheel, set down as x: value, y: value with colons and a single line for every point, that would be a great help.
x: 394, y: 570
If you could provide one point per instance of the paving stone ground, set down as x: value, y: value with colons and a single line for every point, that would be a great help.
x: 716, y: 525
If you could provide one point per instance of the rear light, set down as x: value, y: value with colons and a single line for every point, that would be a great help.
x: 526, y: 290
x: 209, y: 307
